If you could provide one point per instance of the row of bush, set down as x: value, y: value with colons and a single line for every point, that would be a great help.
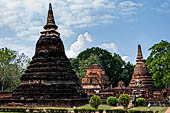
x: 113, y: 101
x: 123, y: 100
x: 78, y: 110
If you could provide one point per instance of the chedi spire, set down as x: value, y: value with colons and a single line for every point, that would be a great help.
x: 50, y: 25
x: 139, y: 55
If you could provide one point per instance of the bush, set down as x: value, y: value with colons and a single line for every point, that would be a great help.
x: 140, y: 101
x: 124, y: 100
x: 112, y: 101
x: 95, y: 101
x: 116, y: 111
x: 84, y: 110
x: 135, y: 111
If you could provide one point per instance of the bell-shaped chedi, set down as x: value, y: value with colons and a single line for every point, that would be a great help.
x: 50, y: 79
x: 95, y: 80
x: 141, y: 79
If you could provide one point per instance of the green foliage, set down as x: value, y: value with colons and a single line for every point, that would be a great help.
x: 95, y: 101
x: 112, y: 101
x: 12, y: 65
x: 159, y: 63
x: 135, y: 111
x: 81, y: 110
x: 124, y: 100
x: 12, y: 109
x: 116, y: 69
x: 116, y: 111
x: 140, y: 101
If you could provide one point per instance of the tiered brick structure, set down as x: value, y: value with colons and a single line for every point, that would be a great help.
x: 95, y: 79
x: 50, y: 79
x: 141, y: 79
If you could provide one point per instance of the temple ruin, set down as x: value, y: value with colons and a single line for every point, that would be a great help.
x: 50, y: 79
x: 141, y: 79
x: 95, y: 80
x: 141, y: 85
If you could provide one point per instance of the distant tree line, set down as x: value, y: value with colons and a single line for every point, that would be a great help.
x: 13, y: 64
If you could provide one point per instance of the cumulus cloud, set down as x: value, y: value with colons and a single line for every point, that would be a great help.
x: 82, y: 42
x: 16, y: 45
x: 126, y: 58
x: 23, y: 20
x: 111, y: 47
x: 107, y: 18
x: 128, y: 7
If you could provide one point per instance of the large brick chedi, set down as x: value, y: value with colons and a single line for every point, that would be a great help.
x: 141, y: 78
x: 50, y: 79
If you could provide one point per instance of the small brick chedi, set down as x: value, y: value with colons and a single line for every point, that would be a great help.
x: 141, y: 79
x: 95, y: 80
x: 50, y: 79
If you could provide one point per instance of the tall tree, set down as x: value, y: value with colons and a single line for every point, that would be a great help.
x: 159, y: 63
x: 113, y: 65
x: 12, y: 65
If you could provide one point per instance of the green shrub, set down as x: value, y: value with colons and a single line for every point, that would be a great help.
x: 140, y: 101
x: 95, y: 101
x: 135, y: 111
x: 112, y: 101
x: 124, y: 100
x: 116, y: 111
x: 84, y: 110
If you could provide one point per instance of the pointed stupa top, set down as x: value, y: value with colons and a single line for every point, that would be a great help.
x: 50, y: 25
x: 139, y: 55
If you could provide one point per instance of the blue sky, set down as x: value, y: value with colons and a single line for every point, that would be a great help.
x: 115, y: 25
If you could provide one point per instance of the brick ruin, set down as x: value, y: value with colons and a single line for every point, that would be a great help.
x: 95, y: 80
x: 50, y: 79
x: 141, y: 79
x: 141, y: 85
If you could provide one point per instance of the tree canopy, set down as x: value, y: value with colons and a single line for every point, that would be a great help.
x: 159, y: 63
x: 12, y: 65
x: 116, y: 69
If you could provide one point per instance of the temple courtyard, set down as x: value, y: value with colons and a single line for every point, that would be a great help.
x: 50, y: 85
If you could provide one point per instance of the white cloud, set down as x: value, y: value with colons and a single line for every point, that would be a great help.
x: 128, y: 7
x: 126, y: 58
x: 107, y: 18
x: 79, y: 45
x: 13, y: 45
x: 111, y: 47
x: 25, y: 19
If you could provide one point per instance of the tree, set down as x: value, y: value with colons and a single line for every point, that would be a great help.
x: 95, y: 101
x: 114, y: 65
x: 158, y: 63
x: 12, y: 65
x: 124, y: 100
x: 126, y: 74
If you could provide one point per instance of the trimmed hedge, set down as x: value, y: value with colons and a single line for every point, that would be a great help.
x: 95, y: 101
x: 84, y: 110
x: 112, y: 101
x: 12, y: 109
x: 135, y: 111
x: 116, y: 111
x: 124, y: 100
x: 140, y: 101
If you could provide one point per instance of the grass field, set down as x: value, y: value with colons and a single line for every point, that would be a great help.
x: 156, y: 108
x: 104, y: 106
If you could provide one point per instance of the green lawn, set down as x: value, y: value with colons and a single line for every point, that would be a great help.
x: 103, y: 106
x: 160, y: 109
